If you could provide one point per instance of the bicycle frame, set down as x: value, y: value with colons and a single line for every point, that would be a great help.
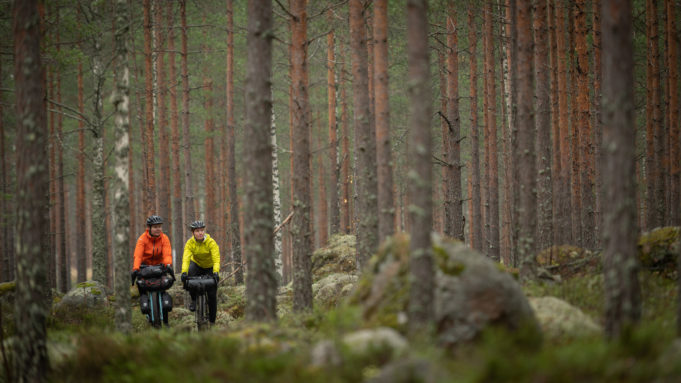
x: 199, y: 285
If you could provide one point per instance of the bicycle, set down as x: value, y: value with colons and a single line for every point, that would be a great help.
x: 200, y: 285
x: 155, y: 303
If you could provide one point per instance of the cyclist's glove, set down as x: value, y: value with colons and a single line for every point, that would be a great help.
x: 216, y: 276
x: 133, y: 276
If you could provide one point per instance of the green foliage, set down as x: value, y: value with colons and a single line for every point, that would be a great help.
x: 658, y: 250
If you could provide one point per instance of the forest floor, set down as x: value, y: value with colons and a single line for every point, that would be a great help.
x: 84, y: 346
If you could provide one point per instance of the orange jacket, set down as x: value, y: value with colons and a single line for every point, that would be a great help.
x: 152, y: 250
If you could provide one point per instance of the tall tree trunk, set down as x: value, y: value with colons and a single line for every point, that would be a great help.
x: 386, y: 208
x: 622, y: 290
x: 421, y: 268
x: 332, y: 91
x: 346, y: 221
x: 63, y: 264
x: 209, y: 148
x: 365, y: 139
x: 120, y: 100
x: 440, y: 201
x: 454, y: 222
x: 491, y: 151
x: 476, y: 219
x: 261, y: 284
x: 555, y: 129
x: 164, y: 192
x: 584, y: 130
x: 597, y: 126
x: 673, y: 111
x: 575, y: 138
x: 300, y: 178
x: 4, y: 206
x: 234, y: 227
x: 190, y: 214
x: 543, y: 126
x: 150, y: 181
x: 276, y: 200
x: 31, y: 306
x: 81, y: 251
x: 51, y: 275
x: 323, y: 215
x: 505, y: 240
x: 177, y: 218
x: 563, y: 195
x: 525, y: 155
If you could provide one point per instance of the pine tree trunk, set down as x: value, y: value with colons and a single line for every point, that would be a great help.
x: 575, y: 136
x: 190, y: 214
x: 620, y: 267
x: 261, y: 284
x: 209, y: 147
x: 346, y: 221
x: 386, y: 208
x: 563, y: 195
x: 164, y: 191
x: 476, y: 219
x: 454, y: 223
x: 63, y: 264
x: 421, y: 268
x: 597, y: 126
x: 492, y: 148
x: 300, y: 176
x: 150, y: 170
x: 673, y: 111
x: 365, y: 140
x: 31, y: 306
x: 81, y: 251
x: 555, y: 129
x: 543, y: 126
x: 52, y: 177
x: 334, y: 160
x: 233, y: 217
x: 276, y: 200
x: 4, y: 206
x: 525, y: 155
x: 584, y: 130
x: 121, y: 101
x: 178, y: 224
x: 505, y: 246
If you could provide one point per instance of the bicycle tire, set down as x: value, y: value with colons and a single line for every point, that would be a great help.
x: 201, y: 320
x: 156, y: 311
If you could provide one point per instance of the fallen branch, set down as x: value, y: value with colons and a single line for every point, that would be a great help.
x: 284, y: 222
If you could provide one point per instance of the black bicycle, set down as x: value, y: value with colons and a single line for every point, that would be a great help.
x: 155, y: 302
x: 199, y: 285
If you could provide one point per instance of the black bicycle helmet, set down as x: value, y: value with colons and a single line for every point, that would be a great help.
x: 154, y: 220
x: 196, y: 225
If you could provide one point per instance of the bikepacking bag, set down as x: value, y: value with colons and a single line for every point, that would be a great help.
x: 160, y: 283
x: 167, y: 301
x: 150, y: 272
x: 199, y: 285
x: 145, y: 305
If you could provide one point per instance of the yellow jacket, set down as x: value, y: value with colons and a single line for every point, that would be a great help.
x: 205, y: 254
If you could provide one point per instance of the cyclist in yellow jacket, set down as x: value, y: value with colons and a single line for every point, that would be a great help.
x: 202, y: 257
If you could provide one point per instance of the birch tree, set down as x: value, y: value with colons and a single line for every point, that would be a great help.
x: 121, y: 102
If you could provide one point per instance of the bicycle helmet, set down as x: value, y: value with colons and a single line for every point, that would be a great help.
x: 154, y: 220
x: 196, y: 225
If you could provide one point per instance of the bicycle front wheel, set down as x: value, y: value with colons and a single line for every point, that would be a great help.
x: 201, y: 312
x: 156, y: 309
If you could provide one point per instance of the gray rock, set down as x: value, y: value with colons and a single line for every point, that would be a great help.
x: 86, y: 295
x: 325, y: 353
x: 377, y: 338
x: 559, y: 319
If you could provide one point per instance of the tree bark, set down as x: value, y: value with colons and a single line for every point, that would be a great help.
x: 346, y: 220
x: 584, y: 129
x: 556, y: 169
x: 386, y: 208
x: 491, y: 152
x: 261, y: 284
x: 505, y: 240
x: 334, y: 159
x: 4, y: 206
x: 150, y: 172
x: 164, y: 191
x: 421, y: 269
x: 365, y: 140
x: 190, y: 214
x: 31, y: 306
x: 563, y: 195
x: 234, y: 227
x: 525, y: 155
x: 476, y: 219
x: 276, y: 201
x: 300, y: 178
x: 543, y: 125
x: 575, y: 138
x: 622, y: 290
x: 121, y: 100
x: 209, y: 147
x: 81, y: 250
x: 454, y: 222
x: 673, y: 111
x: 597, y: 126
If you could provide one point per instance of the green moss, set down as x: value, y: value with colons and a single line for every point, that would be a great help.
x: 7, y: 287
x: 658, y: 250
x: 84, y: 285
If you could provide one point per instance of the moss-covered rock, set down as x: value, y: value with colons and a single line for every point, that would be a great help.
x: 560, y: 320
x: 88, y: 295
x: 658, y: 250
x: 568, y: 261
x: 330, y: 290
x: 338, y: 256
x: 471, y: 292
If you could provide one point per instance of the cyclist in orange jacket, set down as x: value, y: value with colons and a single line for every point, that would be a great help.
x: 153, y: 247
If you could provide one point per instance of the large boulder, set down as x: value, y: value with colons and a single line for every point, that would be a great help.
x: 471, y: 292
x: 86, y: 295
x: 566, y: 261
x: 338, y: 256
x: 329, y: 290
x: 560, y: 320
x: 658, y: 250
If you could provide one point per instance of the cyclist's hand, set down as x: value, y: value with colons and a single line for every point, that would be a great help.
x: 216, y: 276
x: 184, y: 277
x: 133, y: 276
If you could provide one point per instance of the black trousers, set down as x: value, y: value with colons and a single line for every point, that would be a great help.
x: 195, y: 271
